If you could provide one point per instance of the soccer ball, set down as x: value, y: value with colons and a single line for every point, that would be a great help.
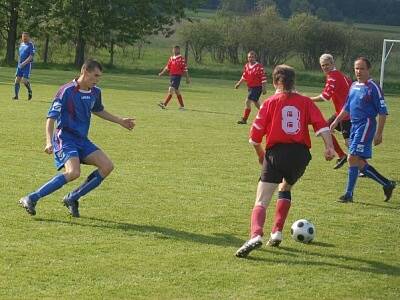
x: 302, y: 231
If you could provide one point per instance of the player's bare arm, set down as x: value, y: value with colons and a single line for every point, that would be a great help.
x: 49, y: 135
x: 339, y: 118
x: 260, y: 152
x: 317, y: 98
x: 329, y: 152
x: 163, y: 71
x: 379, y: 130
x: 26, y: 61
x: 264, y: 88
x: 128, y: 123
x: 239, y: 83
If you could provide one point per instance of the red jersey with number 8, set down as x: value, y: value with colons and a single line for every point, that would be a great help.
x: 284, y: 118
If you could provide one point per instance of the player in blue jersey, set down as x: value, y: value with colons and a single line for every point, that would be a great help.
x: 26, y: 52
x: 71, y: 112
x: 364, y: 103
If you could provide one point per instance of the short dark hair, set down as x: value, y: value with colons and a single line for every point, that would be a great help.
x: 25, y: 32
x: 284, y: 74
x: 177, y: 47
x: 252, y: 52
x: 366, y: 60
x: 91, y: 64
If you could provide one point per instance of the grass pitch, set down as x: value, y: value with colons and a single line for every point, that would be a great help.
x: 168, y: 220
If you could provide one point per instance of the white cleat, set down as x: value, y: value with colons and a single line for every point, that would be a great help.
x: 275, y: 239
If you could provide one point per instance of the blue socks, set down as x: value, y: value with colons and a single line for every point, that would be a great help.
x: 352, y: 179
x: 370, y: 172
x: 54, y: 184
x: 93, y: 181
x: 16, y: 89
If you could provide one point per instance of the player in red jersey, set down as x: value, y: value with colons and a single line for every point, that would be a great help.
x: 177, y: 67
x: 337, y: 88
x: 254, y: 75
x: 283, y: 119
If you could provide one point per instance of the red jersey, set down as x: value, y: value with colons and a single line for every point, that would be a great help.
x: 284, y: 118
x: 176, y: 65
x: 254, y: 75
x: 337, y: 88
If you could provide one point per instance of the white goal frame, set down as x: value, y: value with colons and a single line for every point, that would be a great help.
x: 385, y: 55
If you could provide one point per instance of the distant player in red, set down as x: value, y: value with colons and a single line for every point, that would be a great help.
x: 337, y: 88
x: 283, y: 119
x: 254, y: 75
x: 177, y: 67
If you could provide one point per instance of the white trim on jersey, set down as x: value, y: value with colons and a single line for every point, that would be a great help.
x: 377, y: 88
x: 365, y: 130
x: 257, y: 126
x: 323, y: 129
x: 323, y: 98
x: 253, y: 142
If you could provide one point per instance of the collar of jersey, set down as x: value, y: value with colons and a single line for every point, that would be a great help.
x: 77, y: 86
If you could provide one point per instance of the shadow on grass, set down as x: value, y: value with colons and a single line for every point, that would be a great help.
x: 210, y: 112
x: 384, y: 206
x: 348, y: 262
x: 218, y: 239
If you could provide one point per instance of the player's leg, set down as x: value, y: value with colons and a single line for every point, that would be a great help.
x: 17, y: 84
x: 25, y: 80
x: 340, y: 153
x: 246, y: 112
x: 388, y: 185
x: 104, y: 167
x: 180, y: 99
x: 72, y: 171
x: 356, y: 163
x: 257, y: 104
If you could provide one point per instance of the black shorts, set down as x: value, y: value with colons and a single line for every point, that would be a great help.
x: 254, y: 93
x: 175, y: 81
x: 288, y: 161
x: 344, y: 126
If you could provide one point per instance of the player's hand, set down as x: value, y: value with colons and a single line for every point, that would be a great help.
x: 160, y: 74
x: 48, y: 149
x: 128, y: 123
x: 261, y: 157
x: 377, y: 139
x: 333, y: 125
x: 237, y: 85
x: 329, y: 153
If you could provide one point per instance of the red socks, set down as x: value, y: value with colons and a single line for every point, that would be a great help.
x: 180, y: 100
x: 337, y: 147
x: 167, y: 99
x: 257, y: 220
x: 246, y: 113
x: 281, y: 212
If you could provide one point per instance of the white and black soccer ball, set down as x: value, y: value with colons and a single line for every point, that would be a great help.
x: 303, y: 231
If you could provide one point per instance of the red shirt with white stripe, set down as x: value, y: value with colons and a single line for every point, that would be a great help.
x: 337, y: 88
x: 284, y: 118
x: 176, y: 65
x: 254, y: 75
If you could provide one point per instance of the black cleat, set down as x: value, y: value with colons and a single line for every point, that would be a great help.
x: 340, y: 162
x: 345, y: 198
x: 30, y: 96
x: 28, y: 204
x: 388, y: 190
x: 249, y: 246
x: 15, y: 98
x: 73, y: 207
x: 242, y: 121
x: 162, y: 105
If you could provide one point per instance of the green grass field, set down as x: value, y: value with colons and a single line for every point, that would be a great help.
x: 168, y: 220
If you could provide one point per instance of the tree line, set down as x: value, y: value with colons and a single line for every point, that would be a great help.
x: 275, y: 39
x: 98, y: 23
x: 385, y: 12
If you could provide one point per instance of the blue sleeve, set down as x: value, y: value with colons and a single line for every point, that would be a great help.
x: 32, y: 49
x: 98, y: 105
x: 56, y: 106
x: 379, y: 100
x: 346, y: 106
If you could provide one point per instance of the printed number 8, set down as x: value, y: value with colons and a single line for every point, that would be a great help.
x: 290, y: 120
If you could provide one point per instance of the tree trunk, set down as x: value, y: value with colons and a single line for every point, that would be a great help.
x: 12, y: 32
x: 186, y: 52
x: 46, y: 49
x: 79, y: 50
x: 111, y: 63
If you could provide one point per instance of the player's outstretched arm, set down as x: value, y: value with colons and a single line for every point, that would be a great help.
x: 379, y: 131
x: 317, y: 98
x: 339, y: 118
x: 260, y: 152
x: 163, y: 71
x: 239, y: 83
x: 329, y: 152
x: 49, y: 135
x: 128, y: 123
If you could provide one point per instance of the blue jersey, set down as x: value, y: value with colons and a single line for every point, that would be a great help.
x: 365, y: 101
x: 26, y: 49
x: 72, y: 108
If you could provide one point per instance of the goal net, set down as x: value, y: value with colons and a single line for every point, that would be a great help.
x: 387, y: 48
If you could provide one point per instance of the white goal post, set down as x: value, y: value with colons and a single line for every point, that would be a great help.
x: 385, y: 55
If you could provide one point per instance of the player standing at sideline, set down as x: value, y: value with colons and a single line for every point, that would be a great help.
x: 71, y: 111
x: 337, y: 87
x: 364, y: 103
x: 26, y: 52
x: 283, y: 119
x: 254, y: 75
x: 177, y: 67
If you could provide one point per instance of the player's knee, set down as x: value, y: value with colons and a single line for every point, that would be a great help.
x: 72, y: 174
x: 106, y: 168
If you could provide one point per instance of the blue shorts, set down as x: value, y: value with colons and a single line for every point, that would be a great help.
x: 175, y: 81
x: 24, y: 72
x: 361, y: 137
x: 68, y: 147
x: 254, y: 93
